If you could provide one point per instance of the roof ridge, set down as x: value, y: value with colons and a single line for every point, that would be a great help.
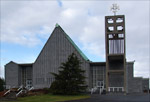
x: 72, y: 42
x: 77, y: 48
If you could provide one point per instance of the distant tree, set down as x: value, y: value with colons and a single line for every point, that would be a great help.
x: 70, y: 78
x: 2, y: 83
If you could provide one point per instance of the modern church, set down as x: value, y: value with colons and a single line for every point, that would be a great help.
x: 114, y: 75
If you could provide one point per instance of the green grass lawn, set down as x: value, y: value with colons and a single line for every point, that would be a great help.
x: 49, y: 98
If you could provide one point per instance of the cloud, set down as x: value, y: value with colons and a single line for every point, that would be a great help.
x: 23, y: 25
x: 141, y: 69
x: 69, y: 13
x: 1, y: 72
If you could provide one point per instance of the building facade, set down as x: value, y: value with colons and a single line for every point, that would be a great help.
x: 114, y: 75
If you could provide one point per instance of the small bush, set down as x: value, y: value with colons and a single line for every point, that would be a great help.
x: 38, y: 92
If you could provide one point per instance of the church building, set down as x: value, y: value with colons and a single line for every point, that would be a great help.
x: 114, y: 75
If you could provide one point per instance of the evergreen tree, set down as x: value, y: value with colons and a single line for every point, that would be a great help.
x: 2, y: 82
x: 70, y: 78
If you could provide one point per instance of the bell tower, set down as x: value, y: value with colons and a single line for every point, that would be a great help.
x: 115, y: 52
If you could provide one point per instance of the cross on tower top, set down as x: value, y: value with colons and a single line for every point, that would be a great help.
x: 114, y: 8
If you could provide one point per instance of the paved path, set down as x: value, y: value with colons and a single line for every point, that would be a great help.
x: 116, y: 98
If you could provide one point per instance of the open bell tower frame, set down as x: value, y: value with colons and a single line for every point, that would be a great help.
x: 115, y: 53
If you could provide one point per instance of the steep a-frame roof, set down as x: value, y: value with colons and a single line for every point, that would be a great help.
x: 69, y: 39
x: 74, y: 45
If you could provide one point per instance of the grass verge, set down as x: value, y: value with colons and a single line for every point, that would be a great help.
x: 49, y: 98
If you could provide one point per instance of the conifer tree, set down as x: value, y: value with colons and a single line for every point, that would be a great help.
x: 2, y: 82
x: 70, y: 78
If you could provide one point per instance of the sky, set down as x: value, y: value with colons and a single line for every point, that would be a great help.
x: 26, y: 26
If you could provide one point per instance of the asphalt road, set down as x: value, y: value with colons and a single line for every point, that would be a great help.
x: 116, y: 98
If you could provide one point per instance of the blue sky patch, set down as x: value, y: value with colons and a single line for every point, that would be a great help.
x: 59, y: 3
